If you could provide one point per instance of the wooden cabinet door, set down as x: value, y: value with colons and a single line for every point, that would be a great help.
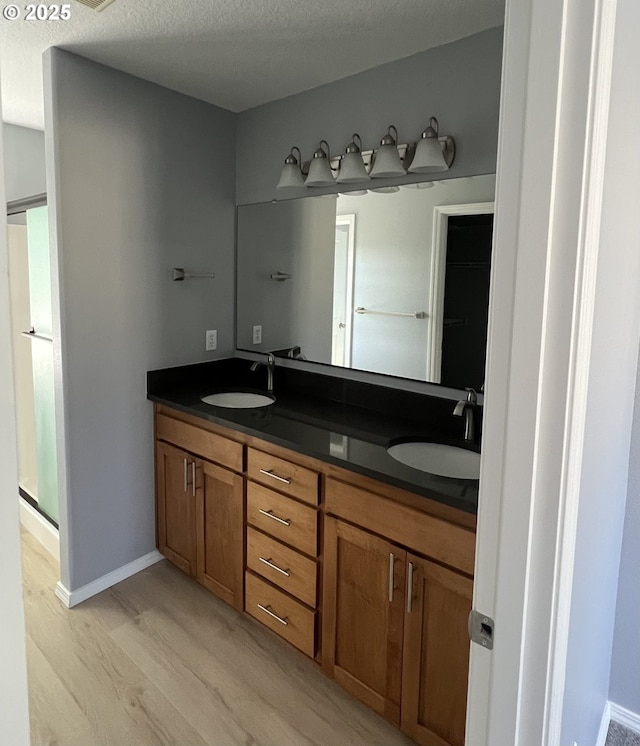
x: 436, y: 654
x: 220, y: 531
x: 176, y: 506
x: 363, y: 606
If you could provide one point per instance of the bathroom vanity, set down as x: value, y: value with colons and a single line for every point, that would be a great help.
x: 295, y: 514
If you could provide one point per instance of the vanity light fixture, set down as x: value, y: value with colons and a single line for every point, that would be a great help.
x: 386, y: 159
x: 320, y: 169
x: 291, y: 176
x: 433, y: 153
x: 352, y: 169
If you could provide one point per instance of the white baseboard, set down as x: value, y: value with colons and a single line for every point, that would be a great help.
x: 612, y: 711
x: 40, y: 528
x: 73, y: 598
x: 625, y: 717
x: 604, y: 725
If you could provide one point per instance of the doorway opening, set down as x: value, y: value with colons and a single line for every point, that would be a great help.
x: 343, y: 268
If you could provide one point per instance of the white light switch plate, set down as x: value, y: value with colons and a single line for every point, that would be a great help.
x: 257, y: 335
x: 211, y: 340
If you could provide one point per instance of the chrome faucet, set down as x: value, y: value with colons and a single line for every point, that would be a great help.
x: 467, y: 409
x: 269, y: 365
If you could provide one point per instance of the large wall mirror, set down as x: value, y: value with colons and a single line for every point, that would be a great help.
x: 388, y: 282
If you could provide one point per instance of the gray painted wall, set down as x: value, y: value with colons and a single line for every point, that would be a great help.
x: 24, y: 169
x: 138, y: 183
x: 624, y: 687
x: 459, y: 83
x: 624, y: 684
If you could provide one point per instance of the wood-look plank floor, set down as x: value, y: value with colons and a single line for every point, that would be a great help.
x: 158, y: 660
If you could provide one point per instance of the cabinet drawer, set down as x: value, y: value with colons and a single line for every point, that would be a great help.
x: 282, y: 475
x: 286, y: 617
x: 293, y: 572
x: 201, y: 442
x: 286, y: 519
x: 443, y: 541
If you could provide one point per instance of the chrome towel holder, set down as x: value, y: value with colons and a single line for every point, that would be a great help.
x: 414, y: 315
x: 179, y: 274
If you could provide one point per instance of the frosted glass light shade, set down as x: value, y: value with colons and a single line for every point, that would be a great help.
x: 387, y: 163
x: 430, y: 154
x: 352, y: 169
x: 428, y: 157
x: 319, y: 173
x: 291, y: 177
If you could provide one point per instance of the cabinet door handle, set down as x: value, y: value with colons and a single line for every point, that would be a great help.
x: 268, y: 611
x: 392, y: 560
x: 269, y: 473
x: 270, y: 564
x: 269, y: 514
x: 193, y: 478
x: 410, y: 588
x: 186, y: 484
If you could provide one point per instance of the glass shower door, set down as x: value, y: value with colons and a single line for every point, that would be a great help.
x: 41, y: 333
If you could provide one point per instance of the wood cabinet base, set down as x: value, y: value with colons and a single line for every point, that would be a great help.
x: 393, y: 623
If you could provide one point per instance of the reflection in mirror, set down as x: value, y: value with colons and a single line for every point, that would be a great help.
x: 393, y: 283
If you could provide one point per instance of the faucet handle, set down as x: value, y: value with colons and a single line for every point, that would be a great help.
x: 271, y: 358
x: 472, y: 396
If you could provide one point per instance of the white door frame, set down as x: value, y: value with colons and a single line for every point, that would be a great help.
x: 551, y: 160
x: 437, y: 272
x: 14, y: 712
x: 350, y: 220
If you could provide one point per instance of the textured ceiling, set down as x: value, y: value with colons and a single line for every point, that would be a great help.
x: 233, y: 53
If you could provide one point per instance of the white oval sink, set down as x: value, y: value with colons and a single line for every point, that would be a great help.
x: 238, y: 400
x: 437, y: 458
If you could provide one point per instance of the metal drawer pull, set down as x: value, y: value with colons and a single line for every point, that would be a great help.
x: 193, y: 478
x: 270, y: 564
x: 185, y: 475
x: 410, y: 588
x: 268, y: 611
x: 269, y: 473
x: 392, y: 559
x: 269, y: 514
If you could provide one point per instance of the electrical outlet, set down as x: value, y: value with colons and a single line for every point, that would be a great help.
x: 211, y: 342
x: 257, y: 335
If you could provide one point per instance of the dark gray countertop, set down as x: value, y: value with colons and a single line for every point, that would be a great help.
x: 345, y: 423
